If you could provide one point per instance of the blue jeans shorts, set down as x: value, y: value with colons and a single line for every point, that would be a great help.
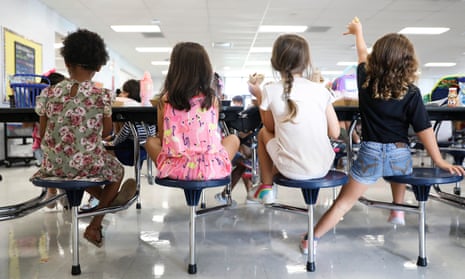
x: 376, y: 160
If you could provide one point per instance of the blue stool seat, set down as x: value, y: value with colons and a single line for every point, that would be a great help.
x: 192, y: 191
x: 74, y: 192
x: 310, y: 189
x: 421, y: 181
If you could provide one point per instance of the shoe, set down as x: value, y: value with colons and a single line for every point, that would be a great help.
x: 126, y: 193
x: 262, y: 194
x: 223, y: 200
x: 94, y: 235
x: 220, y: 198
x: 304, y: 245
x: 91, y: 204
x: 397, y: 217
x: 48, y: 196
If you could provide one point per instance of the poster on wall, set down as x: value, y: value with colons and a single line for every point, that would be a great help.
x: 24, y: 59
x: 21, y: 56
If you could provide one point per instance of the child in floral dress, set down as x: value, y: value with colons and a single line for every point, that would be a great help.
x: 75, y: 115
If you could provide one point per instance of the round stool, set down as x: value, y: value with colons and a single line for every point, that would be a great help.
x: 310, y: 189
x: 192, y: 191
x: 74, y: 192
x: 421, y: 180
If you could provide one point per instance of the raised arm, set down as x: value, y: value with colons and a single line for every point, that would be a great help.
x: 355, y: 28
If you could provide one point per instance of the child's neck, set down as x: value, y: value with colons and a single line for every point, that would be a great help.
x: 79, y: 74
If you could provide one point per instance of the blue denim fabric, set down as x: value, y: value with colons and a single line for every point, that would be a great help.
x: 375, y: 160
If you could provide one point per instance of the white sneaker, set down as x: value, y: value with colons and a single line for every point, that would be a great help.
x: 262, y: 194
x: 223, y: 200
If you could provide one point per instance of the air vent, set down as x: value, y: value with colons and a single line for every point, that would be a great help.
x: 153, y: 35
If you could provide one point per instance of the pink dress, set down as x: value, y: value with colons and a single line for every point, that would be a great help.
x: 191, y: 147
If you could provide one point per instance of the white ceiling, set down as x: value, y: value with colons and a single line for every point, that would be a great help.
x: 237, y: 21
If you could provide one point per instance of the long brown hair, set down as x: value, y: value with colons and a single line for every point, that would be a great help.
x: 190, y: 73
x: 290, y: 55
x: 391, y: 67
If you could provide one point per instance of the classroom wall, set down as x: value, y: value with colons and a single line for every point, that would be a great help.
x: 35, y: 21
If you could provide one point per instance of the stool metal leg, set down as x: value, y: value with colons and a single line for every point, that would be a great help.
x: 76, y: 268
x: 310, y: 237
x: 422, y: 235
x: 192, y: 268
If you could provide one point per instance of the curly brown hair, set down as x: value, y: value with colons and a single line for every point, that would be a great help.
x: 86, y: 49
x: 290, y: 55
x: 391, y: 67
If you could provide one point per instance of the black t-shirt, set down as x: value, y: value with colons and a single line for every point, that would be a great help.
x: 388, y: 121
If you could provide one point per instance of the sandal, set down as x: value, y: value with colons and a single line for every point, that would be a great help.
x: 94, y: 235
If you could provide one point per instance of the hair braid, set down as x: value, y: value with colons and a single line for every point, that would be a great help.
x: 291, y: 104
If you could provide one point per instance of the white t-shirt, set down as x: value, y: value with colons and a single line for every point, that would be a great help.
x: 301, y: 148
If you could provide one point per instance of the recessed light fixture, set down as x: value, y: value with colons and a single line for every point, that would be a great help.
x: 153, y: 49
x: 160, y: 63
x: 347, y: 63
x: 261, y: 49
x: 440, y: 64
x: 222, y: 44
x: 136, y: 28
x: 282, y: 28
x: 424, y: 30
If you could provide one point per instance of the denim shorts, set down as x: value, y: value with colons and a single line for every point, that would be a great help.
x: 376, y: 160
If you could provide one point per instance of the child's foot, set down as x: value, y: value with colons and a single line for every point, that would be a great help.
x: 304, y: 245
x: 262, y: 193
x: 397, y: 217
x: 126, y: 193
x: 94, y: 235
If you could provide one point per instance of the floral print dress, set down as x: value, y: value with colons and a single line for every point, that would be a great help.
x: 72, y: 144
x: 191, y: 147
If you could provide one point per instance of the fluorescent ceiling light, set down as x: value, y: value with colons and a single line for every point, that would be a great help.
x: 136, y: 28
x: 165, y: 72
x: 160, y: 63
x: 153, y: 49
x: 261, y: 49
x: 57, y: 45
x: 282, y: 28
x: 440, y: 64
x: 347, y: 63
x: 424, y: 30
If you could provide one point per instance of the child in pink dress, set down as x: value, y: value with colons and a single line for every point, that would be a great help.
x: 189, y: 144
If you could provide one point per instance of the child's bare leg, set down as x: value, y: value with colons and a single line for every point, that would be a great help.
x: 398, y: 195
x: 349, y: 195
x: 153, y: 147
x: 398, y: 192
x: 266, y: 164
x: 231, y: 144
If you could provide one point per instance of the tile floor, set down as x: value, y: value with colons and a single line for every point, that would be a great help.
x: 247, y: 241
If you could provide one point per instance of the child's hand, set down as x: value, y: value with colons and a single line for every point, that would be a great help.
x: 454, y: 169
x: 353, y: 27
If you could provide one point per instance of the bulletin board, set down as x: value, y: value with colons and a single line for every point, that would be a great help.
x: 21, y: 56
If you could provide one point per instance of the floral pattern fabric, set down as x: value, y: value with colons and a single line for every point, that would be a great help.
x: 72, y: 144
x: 191, y: 148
